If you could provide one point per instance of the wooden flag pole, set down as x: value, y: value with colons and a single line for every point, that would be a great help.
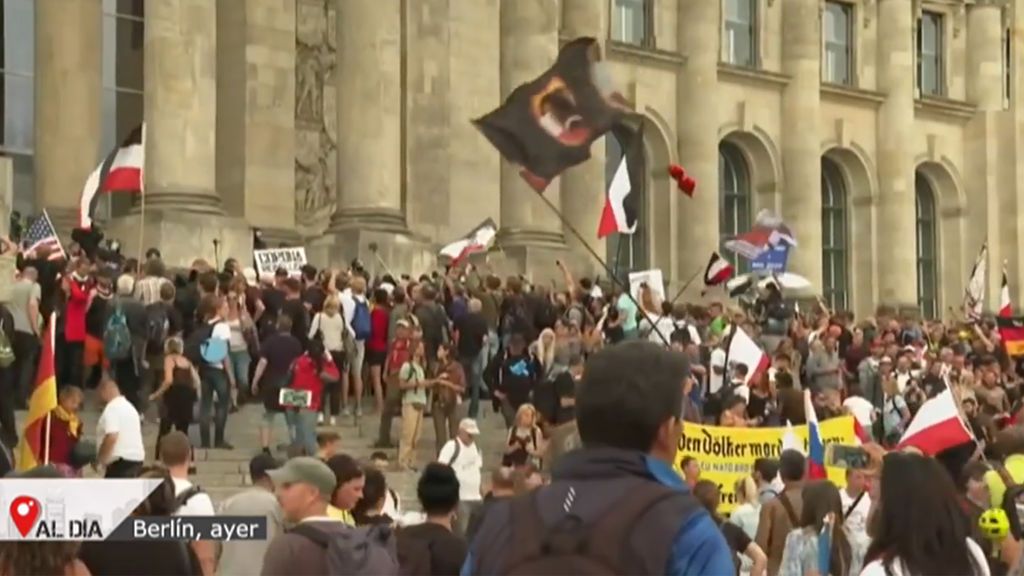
x: 593, y: 253
x: 685, y: 286
x: 49, y: 414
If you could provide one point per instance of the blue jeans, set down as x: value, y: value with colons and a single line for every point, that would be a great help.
x: 492, y: 346
x: 302, y: 426
x: 240, y: 366
x: 474, y: 371
x: 214, y: 382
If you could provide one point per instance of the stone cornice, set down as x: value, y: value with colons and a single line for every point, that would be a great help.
x: 641, y: 55
x: 752, y: 75
x: 945, y: 108
x: 852, y: 94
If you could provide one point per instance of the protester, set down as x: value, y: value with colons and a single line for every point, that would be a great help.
x: 512, y: 376
x: 304, y: 486
x: 243, y: 337
x: 472, y: 332
x: 327, y: 445
x: 413, y: 382
x: 525, y: 443
x: 691, y: 470
x: 462, y: 454
x: 310, y: 373
x: 119, y: 432
x: 349, y: 481
x: 76, y: 287
x: 124, y: 340
x: 432, y: 547
x: 616, y: 476
x: 822, y: 511
x: 748, y: 508
x: 42, y: 558
x: 369, y: 511
x: 215, y: 372
x: 377, y: 343
x: 28, y: 323
x: 278, y: 352
x: 856, y: 505
x: 178, y: 390
x: 329, y: 327
x: 245, y: 557
x: 782, y: 514
x: 765, y: 472
x: 449, y: 386
x: 360, y: 325
x: 176, y: 456
x: 741, y: 545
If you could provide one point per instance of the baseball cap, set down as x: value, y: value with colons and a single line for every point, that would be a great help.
x: 250, y: 276
x: 305, y: 470
x: 261, y: 465
x: 470, y: 426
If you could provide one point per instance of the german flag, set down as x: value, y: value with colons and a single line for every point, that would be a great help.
x: 1011, y: 331
x: 31, y: 449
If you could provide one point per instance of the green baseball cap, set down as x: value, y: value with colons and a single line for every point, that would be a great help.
x: 305, y: 470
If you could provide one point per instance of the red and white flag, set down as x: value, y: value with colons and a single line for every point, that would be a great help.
x: 120, y: 171
x: 718, y: 271
x: 622, y: 201
x: 479, y: 240
x: 743, y: 350
x: 937, y: 426
x: 1005, y: 307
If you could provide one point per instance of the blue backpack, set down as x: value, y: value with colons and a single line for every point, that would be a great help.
x: 361, y: 320
x: 117, y: 339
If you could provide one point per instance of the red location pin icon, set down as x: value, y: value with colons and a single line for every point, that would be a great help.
x: 25, y: 512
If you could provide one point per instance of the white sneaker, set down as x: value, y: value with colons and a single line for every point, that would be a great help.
x: 334, y: 421
x: 320, y: 418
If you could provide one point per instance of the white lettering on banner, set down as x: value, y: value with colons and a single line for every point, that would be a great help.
x: 291, y: 259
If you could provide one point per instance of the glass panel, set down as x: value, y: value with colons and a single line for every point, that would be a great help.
x: 19, y: 36
x: 631, y: 20
x: 109, y: 65
x: 18, y: 111
x: 134, y: 8
x: 130, y: 65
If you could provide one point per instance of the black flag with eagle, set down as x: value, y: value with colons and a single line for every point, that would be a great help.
x: 621, y: 201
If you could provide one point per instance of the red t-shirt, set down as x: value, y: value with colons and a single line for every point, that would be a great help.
x: 306, y: 377
x: 399, y: 355
x: 380, y: 317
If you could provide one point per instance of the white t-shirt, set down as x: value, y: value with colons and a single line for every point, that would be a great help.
x: 876, y: 568
x: 742, y: 390
x: 861, y: 409
x: 198, y: 505
x: 120, y: 417
x: 221, y: 331
x: 717, y: 361
x: 857, y: 520
x: 467, y: 468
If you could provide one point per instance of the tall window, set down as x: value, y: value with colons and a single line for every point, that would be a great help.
x: 834, y: 260
x: 734, y: 200
x: 626, y: 252
x: 838, y: 30
x: 741, y: 32
x: 927, y: 275
x: 17, y: 93
x: 930, y: 61
x: 633, y: 22
x: 123, y: 66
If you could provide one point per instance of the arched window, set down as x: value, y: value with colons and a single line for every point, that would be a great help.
x: 927, y: 275
x: 626, y: 252
x: 734, y: 200
x: 835, y: 282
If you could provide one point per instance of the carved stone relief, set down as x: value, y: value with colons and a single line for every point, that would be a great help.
x: 315, y: 117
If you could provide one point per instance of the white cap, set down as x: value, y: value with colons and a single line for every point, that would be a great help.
x: 470, y: 426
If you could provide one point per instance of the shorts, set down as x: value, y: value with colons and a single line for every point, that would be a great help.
x: 376, y: 357
x: 356, y: 355
x: 94, y: 353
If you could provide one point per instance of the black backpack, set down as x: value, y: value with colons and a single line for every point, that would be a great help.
x: 603, y: 546
x: 157, y: 327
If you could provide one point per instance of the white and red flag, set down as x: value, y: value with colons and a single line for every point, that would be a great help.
x: 1005, y: 306
x: 937, y: 426
x: 622, y: 202
x: 480, y: 239
x: 120, y: 171
x: 743, y: 350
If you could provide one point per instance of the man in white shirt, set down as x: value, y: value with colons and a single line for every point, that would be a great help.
x: 856, y: 504
x: 119, y: 431
x: 176, y: 455
x: 463, y: 455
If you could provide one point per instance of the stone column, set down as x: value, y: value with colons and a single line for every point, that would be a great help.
x: 985, y: 90
x: 529, y: 45
x: 584, y: 186
x: 897, y: 242
x: 181, y: 106
x: 697, y: 131
x: 801, y: 149
x: 370, y: 109
x: 68, y: 92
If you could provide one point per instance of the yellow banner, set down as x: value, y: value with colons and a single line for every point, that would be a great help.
x: 727, y: 454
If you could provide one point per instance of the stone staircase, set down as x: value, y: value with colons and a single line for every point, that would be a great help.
x: 223, y: 473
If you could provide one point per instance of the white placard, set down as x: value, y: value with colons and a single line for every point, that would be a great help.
x: 291, y: 259
x: 652, y: 278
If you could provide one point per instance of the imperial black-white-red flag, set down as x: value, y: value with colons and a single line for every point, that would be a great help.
x: 718, y: 271
x: 479, y: 240
x: 621, y: 201
x: 120, y: 171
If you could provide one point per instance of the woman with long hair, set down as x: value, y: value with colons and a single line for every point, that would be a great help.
x: 243, y: 336
x: 707, y: 494
x: 822, y: 514
x: 377, y: 343
x: 413, y: 382
x: 918, y: 527
x: 329, y: 326
x: 313, y: 372
x: 544, y: 350
x: 525, y: 441
x: 179, y: 390
x: 748, y: 511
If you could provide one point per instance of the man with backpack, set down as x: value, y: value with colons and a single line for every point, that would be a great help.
x: 781, y: 514
x: 176, y: 455
x: 614, y: 506
x: 357, y: 315
x: 318, y: 545
x: 124, y: 335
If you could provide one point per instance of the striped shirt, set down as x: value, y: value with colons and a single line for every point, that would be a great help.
x: 147, y: 290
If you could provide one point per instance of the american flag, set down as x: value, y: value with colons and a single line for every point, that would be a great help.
x: 41, y: 233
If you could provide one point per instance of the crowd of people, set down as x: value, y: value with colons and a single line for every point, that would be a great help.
x: 593, y: 384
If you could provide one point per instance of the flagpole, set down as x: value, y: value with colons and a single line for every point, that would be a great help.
x: 49, y: 414
x: 142, y: 206
x: 615, y: 280
x: 684, y: 287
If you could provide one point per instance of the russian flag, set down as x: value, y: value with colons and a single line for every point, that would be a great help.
x: 815, y: 447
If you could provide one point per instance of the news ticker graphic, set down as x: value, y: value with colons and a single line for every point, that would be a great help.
x: 97, y: 509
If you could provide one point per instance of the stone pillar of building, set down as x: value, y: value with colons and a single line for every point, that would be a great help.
x: 801, y: 146
x: 68, y: 92
x: 985, y: 91
x: 583, y: 186
x: 182, y: 213
x: 256, y: 138
x: 897, y: 252
x: 529, y: 45
x: 697, y: 131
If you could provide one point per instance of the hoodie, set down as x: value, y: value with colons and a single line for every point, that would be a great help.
x: 291, y: 553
